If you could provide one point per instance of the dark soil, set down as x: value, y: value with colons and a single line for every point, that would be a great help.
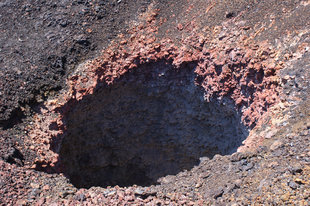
x: 43, y: 41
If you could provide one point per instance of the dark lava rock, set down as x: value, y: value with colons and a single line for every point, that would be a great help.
x: 37, y: 35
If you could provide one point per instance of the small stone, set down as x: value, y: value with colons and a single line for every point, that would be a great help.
x: 273, y: 164
x: 248, y: 166
x: 111, y: 193
x: 238, y: 182
x: 180, y: 27
x: 80, y: 39
x: 230, y: 14
x: 40, y: 202
x: 277, y: 144
x: 21, y: 202
x: 198, y: 185
x: 299, y: 181
x: 270, y: 134
x: 139, y: 191
x: 297, y: 168
x: 293, y: 185
x: 129, y: 198
x: 218, y: 193
x: 190, y: 203
x: 46, y: 187
x: 285, y: 197
x: 80, y: 197
x: 286, y: 77
x: 34, y: 185
x: 237, y: 157
x: 63, y: 23
x: 230, y: 188
x: 261, y: 149
x: 121, y: 196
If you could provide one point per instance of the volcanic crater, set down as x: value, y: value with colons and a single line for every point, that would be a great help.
x: 133, y: 117
x: 152, y: 122
x: 187, y: 103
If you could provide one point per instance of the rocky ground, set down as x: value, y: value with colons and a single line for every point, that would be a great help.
x: 43, y: 46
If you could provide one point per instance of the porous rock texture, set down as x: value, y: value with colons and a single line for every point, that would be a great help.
x: 197, y: 102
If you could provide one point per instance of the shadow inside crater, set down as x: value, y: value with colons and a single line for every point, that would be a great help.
x: 152, y: 122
